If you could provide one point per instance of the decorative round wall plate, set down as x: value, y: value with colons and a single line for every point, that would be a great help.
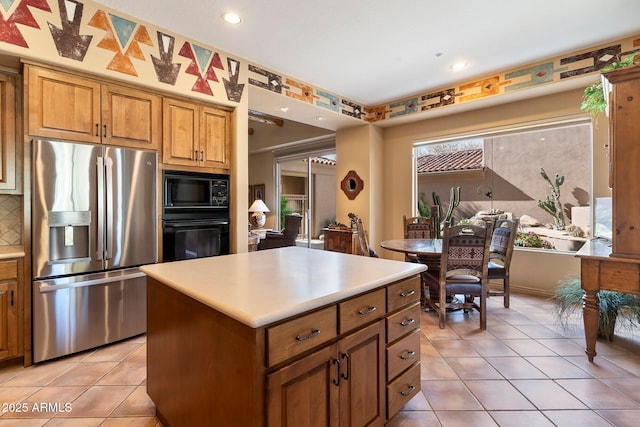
x: 352, y: 185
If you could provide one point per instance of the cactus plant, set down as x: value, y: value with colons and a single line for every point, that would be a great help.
x: 552, y: 203
x: 454, y: 201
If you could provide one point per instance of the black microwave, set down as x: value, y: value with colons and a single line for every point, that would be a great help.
x: 195, y: 190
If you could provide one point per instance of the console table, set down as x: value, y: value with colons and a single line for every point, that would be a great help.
x: 600, y: 270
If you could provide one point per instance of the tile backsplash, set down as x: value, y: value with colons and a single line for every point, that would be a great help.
x: 10, y: 220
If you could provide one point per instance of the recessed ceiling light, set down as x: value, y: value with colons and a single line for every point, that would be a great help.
x: 284, y: 109
x: 459, y: 66
x: 231, y: 18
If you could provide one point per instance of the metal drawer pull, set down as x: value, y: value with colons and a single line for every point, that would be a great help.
x: 369, y: 310
x: 314, y: 332
x: 407, y: 322
x: 408, y: 355
x: 408, y: 391
x: 408, y: 293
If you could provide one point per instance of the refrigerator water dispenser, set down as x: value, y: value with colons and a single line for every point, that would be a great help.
x: 69, y: 236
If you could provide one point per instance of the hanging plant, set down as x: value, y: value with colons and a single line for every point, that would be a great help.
x: 594, y: 100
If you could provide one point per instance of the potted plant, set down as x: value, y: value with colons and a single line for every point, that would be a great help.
x: 568, y: 298
x: 594, y: 99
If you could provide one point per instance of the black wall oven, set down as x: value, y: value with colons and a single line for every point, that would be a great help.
x: 195, y: 215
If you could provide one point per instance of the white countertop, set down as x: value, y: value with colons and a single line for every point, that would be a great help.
x: 259, y: 288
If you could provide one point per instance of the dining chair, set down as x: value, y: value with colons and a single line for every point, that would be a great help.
x: 419, y: 227
x: 500, y: 253
x: 463, y: 270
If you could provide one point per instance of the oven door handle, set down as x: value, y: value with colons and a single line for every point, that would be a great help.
x: 194, y: 223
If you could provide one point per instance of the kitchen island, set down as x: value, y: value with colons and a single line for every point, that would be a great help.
x: 290, y: 336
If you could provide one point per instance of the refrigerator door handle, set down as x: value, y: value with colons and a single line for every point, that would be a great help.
x: 45, y: 287
x: 108, y: 163
x: 100, y: 181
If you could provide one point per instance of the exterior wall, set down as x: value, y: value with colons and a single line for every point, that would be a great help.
x: 512, y: 165
x: 528, y: 272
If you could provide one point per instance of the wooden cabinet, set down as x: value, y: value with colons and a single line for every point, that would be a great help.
x: 624, y: 157
x: 339, y: 385
x: 9, y: 309
x: 338, y: 240
x: 78, y: 109
x: 195, y: 134
x: 326, y: 367
x: 10, y: 181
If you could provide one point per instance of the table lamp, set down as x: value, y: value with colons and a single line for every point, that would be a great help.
x: 258, y: 208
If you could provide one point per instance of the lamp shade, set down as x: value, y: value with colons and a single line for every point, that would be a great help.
x: 258, y: 206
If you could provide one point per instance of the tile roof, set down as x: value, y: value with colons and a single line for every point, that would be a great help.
x: 451, y: 162
x: 323, y: 161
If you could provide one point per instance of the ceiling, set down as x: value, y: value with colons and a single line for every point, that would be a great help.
x: 355, y: 48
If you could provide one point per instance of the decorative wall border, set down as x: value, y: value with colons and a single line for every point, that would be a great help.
x: 86, y: 36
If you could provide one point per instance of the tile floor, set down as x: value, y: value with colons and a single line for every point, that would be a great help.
x: 523, y: 370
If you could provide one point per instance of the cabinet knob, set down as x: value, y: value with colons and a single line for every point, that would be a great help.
x: 407, y: 322
x: 366, y: 311
x: 408, y: 293
x: 408, y: 391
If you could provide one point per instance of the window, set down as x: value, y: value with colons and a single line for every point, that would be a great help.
x: 501, y: 174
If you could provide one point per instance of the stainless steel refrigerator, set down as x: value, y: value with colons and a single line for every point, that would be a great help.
x: 93, y: 223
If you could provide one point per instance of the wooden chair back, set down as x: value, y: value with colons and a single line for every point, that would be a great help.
x: 418, y: 227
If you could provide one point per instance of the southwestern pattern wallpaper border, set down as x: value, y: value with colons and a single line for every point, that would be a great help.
x: 86, y: 36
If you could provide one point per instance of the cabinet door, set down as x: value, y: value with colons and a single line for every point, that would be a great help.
x: 214, y: 137
x: 305, y: 393
x: 180, y: 132
x: 8, y: 320
x: 362, y: 390
x: 63, y: 106
x: 130, y: 118
x: 7, y: 133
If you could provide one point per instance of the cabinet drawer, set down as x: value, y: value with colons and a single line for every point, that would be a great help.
x: 403, y: 354
x: 402, y: 389
x: 301, y: 334
x: 8, y: 269
x: 403, y: 322
x: 362, y: 309
x: 403, y: 293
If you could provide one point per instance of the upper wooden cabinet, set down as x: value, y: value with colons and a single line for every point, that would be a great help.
x: 624, y: 146
x: 9, y: 177
x: 74, y: 108
x: 195, y: 134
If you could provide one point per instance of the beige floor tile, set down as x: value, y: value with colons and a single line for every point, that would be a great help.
x: 465, y: 419
x: 8, y: 372
x: 624, y: 418
x: 23, y: 423
x: 138, y: 404
x: 139, y: 355
x: 113, y: 353
x: 75, y: 422
x: 86, y: 373
x: 599, y: 368
x: 514, y: 318
x: 417, y: 403
x: 528, y: 347
x: 563, y: 346
x: 538, y: 331
x: 39, y: 375
x: 546, y: 394
x: 628, y: 362
x: 449, y: 396
x: 629, y: 386
x: 436, y: 368
x: 455, y: 348
x: 492, y: 348
x: 515, y: 368
x: 498, y: 395
x: 521, y: 419
x: 130, y: 422
x: 48, y: 402
x: 557, y: 367
x: 597, y: 395
x: 473, y: 368
x: 16, y: 395
x: 426, y: 348
x: 414, y: 419
x: 506, y: 332
x: 98, y: 401
x: 125, y: 374
x: 584, y: 418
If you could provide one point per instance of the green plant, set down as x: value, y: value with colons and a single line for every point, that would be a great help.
x: 552, y: 203
x: 454, y: 201
x: 284, y: 210
x: 593, y: 97
x: 423, y: 207
x: 568, y: 297
x: 531, y: 239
